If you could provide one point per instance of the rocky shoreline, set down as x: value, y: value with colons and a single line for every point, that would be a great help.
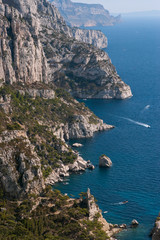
x: 156, y: 230
x: 59, y: 174
x: 110, y: 229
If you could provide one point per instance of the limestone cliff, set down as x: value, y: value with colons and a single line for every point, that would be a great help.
x: 94, y: 37
x: 20, y: 167
x: 37, y: 46
x: 80, y: 14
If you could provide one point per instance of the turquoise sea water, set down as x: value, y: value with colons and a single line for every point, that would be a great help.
x: 134, y: 47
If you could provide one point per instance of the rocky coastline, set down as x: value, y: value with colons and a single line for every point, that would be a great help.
x: 156, y: 230
x: 94, y: 210
x: 40, y: 62
x: 85, y: 15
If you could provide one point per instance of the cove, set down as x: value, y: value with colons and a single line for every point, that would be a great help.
x: 134, y: 47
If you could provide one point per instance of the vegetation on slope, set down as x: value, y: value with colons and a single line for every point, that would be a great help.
x: 55, y: 217
x: 38, y: 117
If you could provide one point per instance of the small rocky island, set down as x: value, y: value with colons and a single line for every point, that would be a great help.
x: 104, y: 161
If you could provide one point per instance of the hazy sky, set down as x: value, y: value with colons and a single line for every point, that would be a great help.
x: 121, y: 6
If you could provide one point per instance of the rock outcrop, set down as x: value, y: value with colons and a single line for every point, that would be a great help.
x: 94, y: 37
x: 92, y: 206
x: 156, y: 230
x: 20, y: 167
x: 62, y: 171
x: 105, y: 161
x: 80, y: 14
x: 43, y: 93
x: 81, y: 127
x: 95, y: 212
x: 38, y: 46
x: 134, y: 223
x: 77, y: 145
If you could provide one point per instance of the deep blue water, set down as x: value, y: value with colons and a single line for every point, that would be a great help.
x: 134, y: 47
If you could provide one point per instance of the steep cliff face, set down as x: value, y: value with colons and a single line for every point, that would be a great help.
x: 22, y: 57
x: 94, y: 37
x: 42, y: 13
x: 20, y: 167
x: 80, y: 14
x: 37, y: 46
x: 81, y: 127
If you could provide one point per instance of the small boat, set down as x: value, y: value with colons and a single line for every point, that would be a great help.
x: 105, y: 212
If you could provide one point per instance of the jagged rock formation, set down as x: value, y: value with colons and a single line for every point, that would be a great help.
x: 20, y: 167
x: 81, y: 14
x: 93, y: 208
x: 83, y: 126
x: 95, y: 212
x: 62, y: 171
x: 37, y: 46
x: 156, y: 230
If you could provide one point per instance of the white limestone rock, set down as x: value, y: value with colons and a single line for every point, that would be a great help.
x: 81, y: 127
x: 105, y: 161
x: 134, y: 223
x: 94, y: 37
x: 77, y: 145
x: 92, y: 206
x: 20, y: 167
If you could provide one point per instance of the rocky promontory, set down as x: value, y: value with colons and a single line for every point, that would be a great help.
x: 156, y: 230
x: 94, y: 211
x: 87, y: 15
x: 38, y: 47
x: 94, y: 37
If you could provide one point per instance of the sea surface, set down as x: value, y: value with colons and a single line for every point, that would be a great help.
x: 134, y: 47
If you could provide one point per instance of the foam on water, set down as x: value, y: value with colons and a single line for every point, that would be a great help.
x: 136, y: 122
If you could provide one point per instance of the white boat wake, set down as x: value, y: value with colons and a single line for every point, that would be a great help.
x: 147, y: 107
x: 120, y: 203
x: 137, y: 123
